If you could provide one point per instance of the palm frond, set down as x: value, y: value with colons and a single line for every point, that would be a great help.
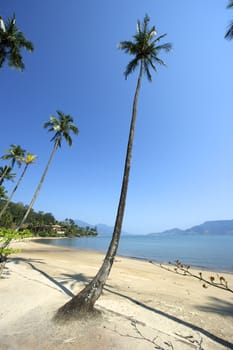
x: 230, y: 5
x: 127, y: 46
x: 131, y: 66
x: 229, y: 33
x: 166, y: 47
x: 150, y: 61
x: 147, y: 71
x: 12, y: 40
x: 146, y: 20
x: 160, y: 37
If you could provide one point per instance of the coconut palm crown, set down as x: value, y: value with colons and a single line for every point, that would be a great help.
x: 62, y: 127
x: 144, y: 48
x: 229, y: 33
x: 12, y: 40
x: 15, y: 154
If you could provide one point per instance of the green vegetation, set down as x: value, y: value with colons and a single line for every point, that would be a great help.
x: 7, y: 235
x: 40, y: 223
x: 12, y: 40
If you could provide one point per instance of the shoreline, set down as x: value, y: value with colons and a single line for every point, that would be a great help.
x: 140, y: 302
x: 166, y: 263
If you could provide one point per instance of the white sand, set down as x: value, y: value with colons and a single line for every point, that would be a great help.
x: 143, y: 306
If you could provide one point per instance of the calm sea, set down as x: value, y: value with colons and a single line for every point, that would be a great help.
x: 206, y: 252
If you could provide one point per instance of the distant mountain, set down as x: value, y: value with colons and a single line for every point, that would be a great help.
x: 102, y: 229
x: 217, y: 227
x: 173, y: 231
x: 222, y: 227
x: 83, y: 224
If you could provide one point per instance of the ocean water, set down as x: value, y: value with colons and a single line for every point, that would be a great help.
x: 202, y: 251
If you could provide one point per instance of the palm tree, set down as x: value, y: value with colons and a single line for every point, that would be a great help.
x: 6, y: 174
x: 144, y: 50
x: 62, y: 126
x: 11, y: 42
x: 29, y: 159
x: 229, y: 33
x: 15, y: 155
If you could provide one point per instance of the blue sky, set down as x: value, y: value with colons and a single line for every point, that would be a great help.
x: 182, y: 166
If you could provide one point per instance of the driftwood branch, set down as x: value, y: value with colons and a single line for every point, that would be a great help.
x: 179, y: 268
x: 152, y: 341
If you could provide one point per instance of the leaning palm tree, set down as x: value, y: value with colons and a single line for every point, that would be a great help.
x: 229, y: 33
x: 144, y: 49
x: 12, y: 40
x: 15, y: 154
x: 29, y: 159
x: 62, y: 126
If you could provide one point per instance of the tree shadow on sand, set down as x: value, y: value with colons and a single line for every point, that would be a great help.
x: 214, y: 337
x: 75, y: 278
x: 218, y: 306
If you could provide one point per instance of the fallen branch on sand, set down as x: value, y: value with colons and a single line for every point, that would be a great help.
x: 217, y: 281
x: 160, y: 344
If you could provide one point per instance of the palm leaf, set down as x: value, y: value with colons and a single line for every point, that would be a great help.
x: 132, y: 65
x: 229, y: 33
x: 230, y: 5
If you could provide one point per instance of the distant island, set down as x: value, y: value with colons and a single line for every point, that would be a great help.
x: 223, y: 227
x: 218, y: 227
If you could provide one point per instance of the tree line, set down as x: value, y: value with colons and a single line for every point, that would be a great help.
x: 42, y: 224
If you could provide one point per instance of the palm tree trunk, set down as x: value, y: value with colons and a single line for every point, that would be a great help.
x: 84, y: 302
x: 38, y: 188
x: 13, y: 192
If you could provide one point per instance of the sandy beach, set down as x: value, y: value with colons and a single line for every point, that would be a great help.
x: 143, y: 306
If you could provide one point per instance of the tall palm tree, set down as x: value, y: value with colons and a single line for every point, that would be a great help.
x: 229, y: 33
x: 6, y: 174
x: 62, y: 126
x: 29, y: 159
x: 12, y: 40
x: 15, y: 155
x: 144, y: 49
